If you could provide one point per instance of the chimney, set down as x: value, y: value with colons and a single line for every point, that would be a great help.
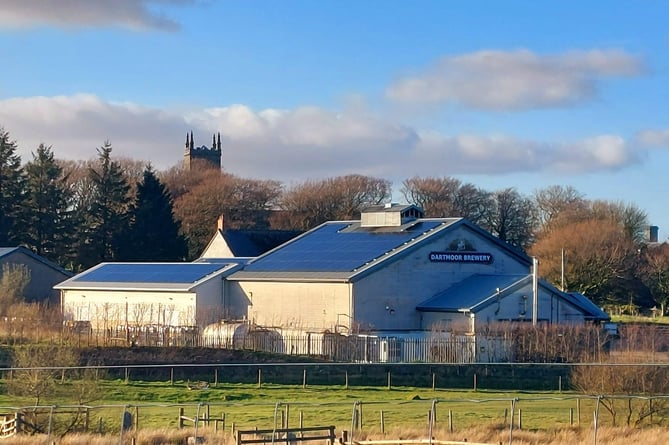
x: 219, y: 224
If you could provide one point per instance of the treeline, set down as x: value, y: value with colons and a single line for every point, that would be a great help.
x: 80, y: 213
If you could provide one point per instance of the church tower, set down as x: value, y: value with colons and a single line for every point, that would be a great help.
x: 212, y: 155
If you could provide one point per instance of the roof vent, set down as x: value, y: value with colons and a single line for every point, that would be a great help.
x: 389, y: 215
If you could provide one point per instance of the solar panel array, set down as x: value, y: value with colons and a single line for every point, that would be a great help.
x: 332, y: 249
x: 149, y: 273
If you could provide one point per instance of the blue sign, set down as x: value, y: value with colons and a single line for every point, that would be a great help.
x: 461, y: 257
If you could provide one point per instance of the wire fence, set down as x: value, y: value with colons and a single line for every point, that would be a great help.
x: 351, y: 419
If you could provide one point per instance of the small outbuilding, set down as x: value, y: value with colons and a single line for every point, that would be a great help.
x: 44, y: 274
x: 147, y: 294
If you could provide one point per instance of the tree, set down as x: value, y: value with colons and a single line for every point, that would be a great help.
x: 448, y: 197
x: 206, y: 196
x: 512, y: 218
x: 631, y: 219
x: 49, y: 216
x: 654, y: 273
x: 597, y: 255
x: 556, y: 203
x: 105, y: 219
x: 154, y: 232
x: 340, y: 198
x: 12, y: 192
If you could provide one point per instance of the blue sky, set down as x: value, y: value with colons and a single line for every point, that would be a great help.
x: 501, y: 94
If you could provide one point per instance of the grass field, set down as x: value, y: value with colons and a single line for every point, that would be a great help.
x: 479, y: 416
x: 156, y: 405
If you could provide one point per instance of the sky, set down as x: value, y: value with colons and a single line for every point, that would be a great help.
x: 500, y: 94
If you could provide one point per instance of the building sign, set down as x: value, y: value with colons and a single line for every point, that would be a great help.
x: 461, y: 257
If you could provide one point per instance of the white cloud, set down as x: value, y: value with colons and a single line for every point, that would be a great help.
x: 293, y: 145
x: 499, y: 80
x: 137, y: 14
x: 653, y: 138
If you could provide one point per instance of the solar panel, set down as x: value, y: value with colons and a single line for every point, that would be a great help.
x: 330, y: 248
x: 149, y: 273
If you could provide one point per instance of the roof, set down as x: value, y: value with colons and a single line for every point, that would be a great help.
x: 6, y: 251
x: 345, y: 250
x: 591, y: 310
x: 479, y: 291
x: 471, y: 293
x: 339, y: 250
x: 148, y: 276
x: 394, y: 208
x: 252, y: 243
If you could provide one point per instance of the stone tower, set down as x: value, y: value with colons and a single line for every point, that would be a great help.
x: 212, y: 155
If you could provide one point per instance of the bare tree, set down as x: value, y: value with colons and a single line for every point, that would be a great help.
x: 512, y: 218
x: 557, y: 201
x: 597, y: 255
x: 341, y: 198
x: 448, y: 197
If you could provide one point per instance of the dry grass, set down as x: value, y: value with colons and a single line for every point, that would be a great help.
x: 489, y: 434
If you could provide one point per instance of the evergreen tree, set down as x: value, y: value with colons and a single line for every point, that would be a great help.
x: 12, y: 192
x: 154, y: 232
x: 105, y: 222
x: 48, y: 216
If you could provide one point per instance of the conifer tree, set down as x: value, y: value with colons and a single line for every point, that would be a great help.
x: 12, y: 192
x: 48, y: 216
x: 154, y: 232
x: 105, y: 221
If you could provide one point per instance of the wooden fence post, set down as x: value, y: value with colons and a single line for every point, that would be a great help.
x: 180, y: 422
x: 259, y: 377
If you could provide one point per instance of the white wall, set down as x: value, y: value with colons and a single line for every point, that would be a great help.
x: 217, y: 248
x: 309, y: 306
x: 116, y: 308
x: 403, y: 284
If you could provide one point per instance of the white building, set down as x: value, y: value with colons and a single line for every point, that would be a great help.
x: 391, y: 273
x: 394, y: 271
x: 147, y: 294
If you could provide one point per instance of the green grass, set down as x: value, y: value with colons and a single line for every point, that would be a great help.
x: 247, y: 406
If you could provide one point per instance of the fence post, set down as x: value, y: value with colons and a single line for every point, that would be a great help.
x: 346, y: 380
x: 180, y: 422
x: 215, y: 377
x: 304, y: 378
x: 383, y: 424
x: 560, y: 384
x: 259, y: 377
x: 474, y: 381
x: 434, y: 381
x: 171, y: 376
x: 513, y: 407
x: 578, y: 411
x: 389, y: 380
x: 571, y: 416
x: 450, y: 420
x: 136, y: 418
x: 520, y: 419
